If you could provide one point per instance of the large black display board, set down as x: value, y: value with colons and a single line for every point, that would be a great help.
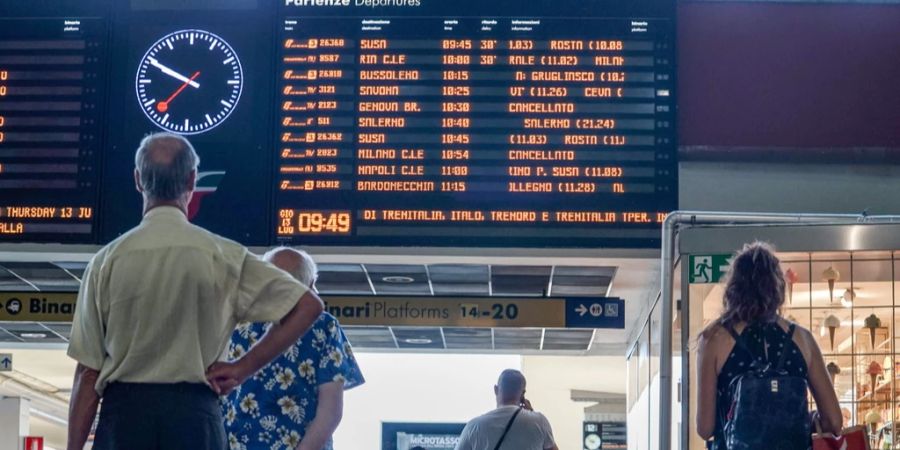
x: 335, y: 122
x: 52, y: 96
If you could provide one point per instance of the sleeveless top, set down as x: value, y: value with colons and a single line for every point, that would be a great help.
x: 755, y: 337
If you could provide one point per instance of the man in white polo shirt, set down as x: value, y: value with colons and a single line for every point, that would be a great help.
x: 513, y: 425
x: 155, y: 311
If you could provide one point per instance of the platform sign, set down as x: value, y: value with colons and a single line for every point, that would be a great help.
x: 599, y: 312
x: 479, y: 312
x: 708, y: 269
x: 476, y: 312
x: 6, y: 362
x: 37, y: 306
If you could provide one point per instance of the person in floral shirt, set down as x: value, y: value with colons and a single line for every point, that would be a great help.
x: 296, y: 401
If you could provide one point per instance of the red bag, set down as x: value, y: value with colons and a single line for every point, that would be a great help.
x: 853, y: 438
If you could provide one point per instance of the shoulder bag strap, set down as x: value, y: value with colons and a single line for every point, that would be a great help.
x: 508, y: 426
x: 784, y: 351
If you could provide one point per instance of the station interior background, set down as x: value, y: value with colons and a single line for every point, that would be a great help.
x: 783, y: 107
x: 441, y: 388
x: 574, y: 376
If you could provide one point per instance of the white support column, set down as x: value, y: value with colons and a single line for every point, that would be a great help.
x: 14, y: 425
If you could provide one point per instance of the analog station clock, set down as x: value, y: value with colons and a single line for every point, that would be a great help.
x: 189, y: 82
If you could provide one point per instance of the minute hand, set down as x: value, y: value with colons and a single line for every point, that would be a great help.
x: 173, y: 74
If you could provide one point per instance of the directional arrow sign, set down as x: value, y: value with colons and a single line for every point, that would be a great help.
x: 597, y: 312
x: 581, y: 310
x: 5, y: 362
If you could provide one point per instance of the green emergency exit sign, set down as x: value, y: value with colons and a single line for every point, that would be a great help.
x: 708, y: 268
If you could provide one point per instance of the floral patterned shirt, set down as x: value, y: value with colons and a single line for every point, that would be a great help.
x: 272, y: 410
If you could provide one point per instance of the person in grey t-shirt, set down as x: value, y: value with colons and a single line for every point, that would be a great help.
x: 514, y: 421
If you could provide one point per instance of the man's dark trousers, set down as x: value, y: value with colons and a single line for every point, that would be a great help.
x: 144, y: 416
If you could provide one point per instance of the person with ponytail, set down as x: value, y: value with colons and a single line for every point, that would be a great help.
x: 754, y: 295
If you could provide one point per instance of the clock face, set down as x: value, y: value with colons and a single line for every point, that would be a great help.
x: 189, y: 82
x: 592, y: 442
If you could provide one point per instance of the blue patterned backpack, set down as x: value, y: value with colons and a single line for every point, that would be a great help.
x: 769, y: 410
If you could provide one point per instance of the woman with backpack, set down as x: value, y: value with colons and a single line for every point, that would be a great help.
x: 754, y: 366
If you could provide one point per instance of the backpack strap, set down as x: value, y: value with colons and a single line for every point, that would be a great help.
x: 784, y: 351
x: 508, y: 426
x: 738, y: 341
x: 730, y: 330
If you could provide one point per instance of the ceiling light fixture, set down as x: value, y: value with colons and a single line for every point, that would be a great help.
x: 398, y: 279
x: 418, y: 341
x: 33, y: 335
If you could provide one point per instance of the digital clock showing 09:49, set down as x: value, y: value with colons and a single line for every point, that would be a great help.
x: 294, y: 222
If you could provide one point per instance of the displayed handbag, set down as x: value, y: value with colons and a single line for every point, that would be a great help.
x: 853, y: 438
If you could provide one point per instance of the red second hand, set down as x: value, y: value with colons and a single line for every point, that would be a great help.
x: 163, y: 106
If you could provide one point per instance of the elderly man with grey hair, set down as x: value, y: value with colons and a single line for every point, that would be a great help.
x: 155, y: 311
x: 295, y: 262
x: 297, y: 401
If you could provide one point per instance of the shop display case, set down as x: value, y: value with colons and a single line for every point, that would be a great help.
x: 842, y: 277
x: 846, y: 299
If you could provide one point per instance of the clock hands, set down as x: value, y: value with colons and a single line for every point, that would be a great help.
x: 214, y: 60
x: 164, y: 105
x: 155, y: 63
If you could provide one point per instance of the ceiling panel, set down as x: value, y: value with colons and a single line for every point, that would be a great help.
x: 6, y: 336
x: 569, y: 280
x: 517, y: 338
x: 376, y: 279
x: 379, y: 338
x: 343, y: 279
x: 451, y: 289
x: 532, y: 281
x: 583, y: 271
x: 460, y: 279
x: 44, y: 276
x: 76, y: 268
x: 578, y: 291
x: 459, y: 273
x: 415, y: 288
x: 469, y: 338
x: 62, y: 329
x: 32, y: 332
x: 581, y: 281
x: 10, y: 282
x: 567, y: 339
x: 399, y: 279
x: 370, y: 337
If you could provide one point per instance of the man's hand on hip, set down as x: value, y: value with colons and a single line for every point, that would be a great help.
x: 224, y: 377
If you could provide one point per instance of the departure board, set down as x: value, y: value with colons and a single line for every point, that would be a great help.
x: 474, y: 131
x: 345, y: 122
x: 51, y: 100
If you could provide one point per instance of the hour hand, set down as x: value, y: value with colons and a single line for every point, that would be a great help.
x: 155, y: 63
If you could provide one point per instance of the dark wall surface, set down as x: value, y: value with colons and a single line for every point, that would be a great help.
x: 789, y: 75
